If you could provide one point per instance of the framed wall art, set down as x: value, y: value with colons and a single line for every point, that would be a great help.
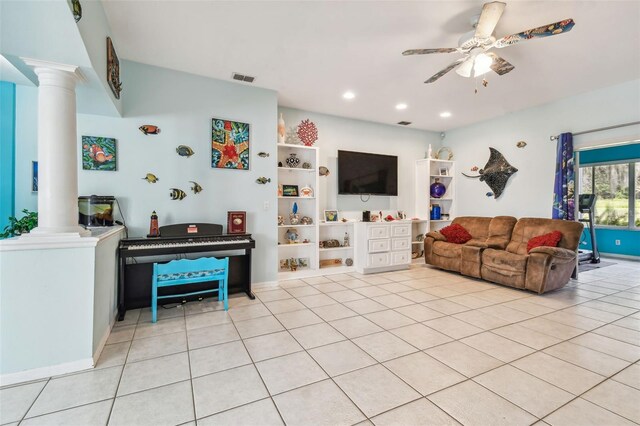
x: 236, y: 222
x: 230, y: 141
x: 99, y: 153
x: 331, y: 215
x: 289, y: 190
x: 113, y: 69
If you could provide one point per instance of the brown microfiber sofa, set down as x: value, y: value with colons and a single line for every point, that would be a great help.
x: 497, y: 251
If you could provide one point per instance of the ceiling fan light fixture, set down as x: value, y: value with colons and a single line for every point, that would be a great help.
x: 482, y: 64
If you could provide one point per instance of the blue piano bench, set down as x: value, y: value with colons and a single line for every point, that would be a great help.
x: 185, y: 271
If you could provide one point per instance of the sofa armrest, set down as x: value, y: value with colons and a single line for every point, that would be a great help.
x: 436, y: 236
x: 559, y: 254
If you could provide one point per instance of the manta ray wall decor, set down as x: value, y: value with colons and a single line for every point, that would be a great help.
x: 496, y: 172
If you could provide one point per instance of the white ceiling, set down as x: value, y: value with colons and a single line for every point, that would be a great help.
x: 312, y: 52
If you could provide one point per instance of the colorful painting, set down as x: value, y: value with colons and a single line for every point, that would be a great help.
x: 229, y: 144
x: 98, y: 153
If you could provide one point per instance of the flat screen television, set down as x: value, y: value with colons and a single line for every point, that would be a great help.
x: 363, y: 173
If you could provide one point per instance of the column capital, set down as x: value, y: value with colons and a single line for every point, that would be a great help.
x: 39, y: 65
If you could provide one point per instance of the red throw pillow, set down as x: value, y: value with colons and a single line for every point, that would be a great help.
x: 456, y: 234
x: 552, y: 239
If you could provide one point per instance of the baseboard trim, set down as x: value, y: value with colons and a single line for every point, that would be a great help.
x: 46, y: 372
x: 621, y: 256
x: 103, y: 341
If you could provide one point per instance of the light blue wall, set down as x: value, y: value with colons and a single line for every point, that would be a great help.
x: 26, y: 293
x: 7, y: 151
x: 182, y: 105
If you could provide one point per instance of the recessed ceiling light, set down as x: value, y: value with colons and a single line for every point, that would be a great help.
x: 401, y: 106
x: 349, y: 95
x: 445, y: 114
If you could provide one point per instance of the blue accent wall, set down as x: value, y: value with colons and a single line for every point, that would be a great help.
x: 7, y: 151
x: 606, y: 237
x: 615, y: 153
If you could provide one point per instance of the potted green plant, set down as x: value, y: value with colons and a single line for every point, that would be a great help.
x: 20, y: 226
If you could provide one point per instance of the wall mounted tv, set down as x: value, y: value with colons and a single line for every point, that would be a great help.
x: 362, y: 173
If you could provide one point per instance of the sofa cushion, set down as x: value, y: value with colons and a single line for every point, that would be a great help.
x: 500, y: 230
x: 446, y: 249
x: 478, y: 227
x: 528, y: 227
x: 456, y: 234
x: 548, y: 240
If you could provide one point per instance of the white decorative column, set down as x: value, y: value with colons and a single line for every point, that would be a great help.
x: 57, y: 150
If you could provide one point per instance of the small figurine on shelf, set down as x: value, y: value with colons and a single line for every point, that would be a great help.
x: 346, y: 240
x: 292, y: 236
x: 280, y: 220
x: 154, y: 230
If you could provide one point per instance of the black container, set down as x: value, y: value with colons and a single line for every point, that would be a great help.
x: 95, y: 210
x: 366, y: 216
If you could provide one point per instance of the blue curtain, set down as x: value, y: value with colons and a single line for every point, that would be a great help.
x: 563, y: 188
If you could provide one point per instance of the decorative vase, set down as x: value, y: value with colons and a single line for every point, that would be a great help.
x: 437, y: 189
x: 435, y: 212
x: 294, y: 218
x: 282, y: 130
x: 293, y: 160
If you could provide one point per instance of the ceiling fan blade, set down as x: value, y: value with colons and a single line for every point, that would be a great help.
x: 500, y: 66
x: 491, y: 13
x: 544, y: 31
x: 426, y: 51
x: 445, y: 70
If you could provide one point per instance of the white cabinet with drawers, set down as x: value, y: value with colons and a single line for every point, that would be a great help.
x: 382, y: 246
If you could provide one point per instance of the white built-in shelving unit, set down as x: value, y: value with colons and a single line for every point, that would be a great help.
x: 337, y: 231
x: 307, y: 206
x: 427, y: 171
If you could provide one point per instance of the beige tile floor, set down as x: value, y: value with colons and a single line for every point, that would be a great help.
x: 415, y: 347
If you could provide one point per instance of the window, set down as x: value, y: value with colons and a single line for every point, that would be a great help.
x: 617, y: 187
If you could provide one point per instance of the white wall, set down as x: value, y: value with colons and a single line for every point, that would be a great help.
x: 529, y: 192
x: 336, y: 133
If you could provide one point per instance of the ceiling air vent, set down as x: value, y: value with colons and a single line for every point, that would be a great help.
x: 240, y: 77
x: 404, y: 123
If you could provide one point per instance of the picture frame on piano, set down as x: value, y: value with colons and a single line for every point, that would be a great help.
x: 236, y: 222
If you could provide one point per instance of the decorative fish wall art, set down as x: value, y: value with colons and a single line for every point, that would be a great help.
x: 496, y: 172
x: 149, y: 129
x: 177, y: 194
x: 263, y: 154
x: 151, y: 178
x: 521, y: 144
x: 263, y: 180
x: 196, y: 188
x: 184, y: 151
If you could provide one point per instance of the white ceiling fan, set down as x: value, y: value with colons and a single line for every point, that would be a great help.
x: 475, y: 45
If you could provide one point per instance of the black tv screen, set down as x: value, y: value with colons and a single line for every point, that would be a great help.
x: 362, y: 173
